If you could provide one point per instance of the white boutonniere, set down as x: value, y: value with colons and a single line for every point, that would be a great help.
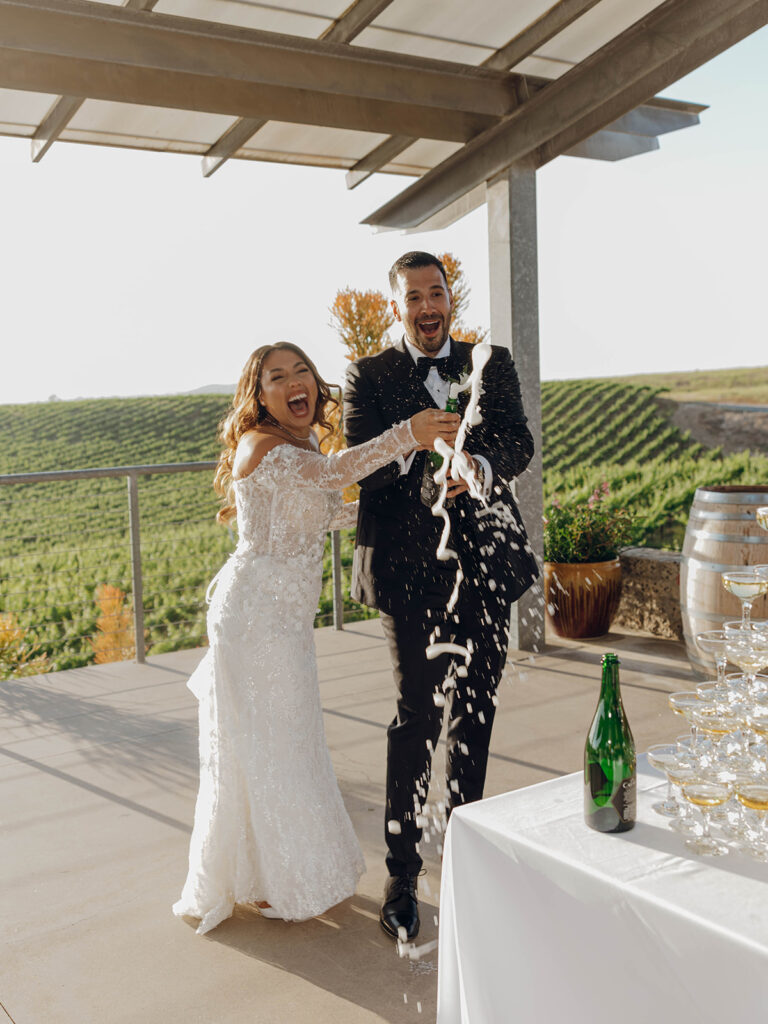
x: 457, y: 386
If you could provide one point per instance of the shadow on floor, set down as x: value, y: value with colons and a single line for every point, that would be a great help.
x: 144, y: 744
x: 333, y: 952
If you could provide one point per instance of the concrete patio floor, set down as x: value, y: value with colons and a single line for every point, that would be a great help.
x: 98, y: 776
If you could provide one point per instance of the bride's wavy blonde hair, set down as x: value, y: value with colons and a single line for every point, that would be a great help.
x: 247, y: 413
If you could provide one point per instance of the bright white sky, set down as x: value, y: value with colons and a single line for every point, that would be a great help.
x: 127, y: 273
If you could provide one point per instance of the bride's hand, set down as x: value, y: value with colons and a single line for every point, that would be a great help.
x: 431, y: 423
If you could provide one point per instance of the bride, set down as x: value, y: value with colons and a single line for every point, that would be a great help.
x: 270, y: 827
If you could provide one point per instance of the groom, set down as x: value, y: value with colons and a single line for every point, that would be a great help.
x: 396, y: 569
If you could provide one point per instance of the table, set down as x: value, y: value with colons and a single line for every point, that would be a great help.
x: 543, y: 921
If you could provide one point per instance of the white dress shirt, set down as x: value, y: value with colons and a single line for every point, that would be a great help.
x: 439, y: 390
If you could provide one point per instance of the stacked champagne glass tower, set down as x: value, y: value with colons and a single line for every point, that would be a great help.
x: 720, y: 767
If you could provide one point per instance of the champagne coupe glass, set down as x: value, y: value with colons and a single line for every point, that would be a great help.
x: 678, y: 774
x: 758, y: 723
x: 661, y: 755
x: 692, y: 755
x: 738, y: 690
x: 746, y: 585
x: 712, y: 642
x: 712, y: 693
x: 720, y: 727
x: 730, y: 816
x: 705, y: 795
x: 735, y: 626
x: 754, y: 796
x: 685, y: 703
x: 759, y: 625
x: 684, y: 748
x: 748, y: 648
x: 761, y: 515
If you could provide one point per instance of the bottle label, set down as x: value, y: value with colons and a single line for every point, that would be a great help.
x: 624, y: 799
x: 610, y: 801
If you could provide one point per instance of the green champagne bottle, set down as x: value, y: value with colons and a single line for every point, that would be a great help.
x: 452, y: 405
x: 610, y: 783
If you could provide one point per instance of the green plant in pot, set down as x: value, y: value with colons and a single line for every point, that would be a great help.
x: 582, y: 572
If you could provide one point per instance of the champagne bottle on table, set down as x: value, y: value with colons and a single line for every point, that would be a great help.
x: 610, y: 783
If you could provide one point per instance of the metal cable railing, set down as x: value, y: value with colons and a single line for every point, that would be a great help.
x: 86, y: 575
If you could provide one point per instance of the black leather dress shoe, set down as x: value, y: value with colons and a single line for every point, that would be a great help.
x: 399, y: 914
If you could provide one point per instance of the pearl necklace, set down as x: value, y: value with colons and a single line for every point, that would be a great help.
x: 296, y: 437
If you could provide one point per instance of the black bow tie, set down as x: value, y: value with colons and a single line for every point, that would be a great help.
x: 424, y: 364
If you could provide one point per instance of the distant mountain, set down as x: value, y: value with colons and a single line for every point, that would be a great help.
x: 212, y: 389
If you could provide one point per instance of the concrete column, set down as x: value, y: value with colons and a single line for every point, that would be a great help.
x: 513, y: 257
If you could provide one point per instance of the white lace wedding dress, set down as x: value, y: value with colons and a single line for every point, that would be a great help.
x: 270, y: 824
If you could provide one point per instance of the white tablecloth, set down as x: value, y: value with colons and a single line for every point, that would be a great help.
x: 543, y: 920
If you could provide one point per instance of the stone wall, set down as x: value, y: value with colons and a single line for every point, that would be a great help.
x: 650, y: 592
x: 734, y: 428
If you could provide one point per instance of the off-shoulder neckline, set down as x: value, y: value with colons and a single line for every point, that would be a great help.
x: 263, y: 459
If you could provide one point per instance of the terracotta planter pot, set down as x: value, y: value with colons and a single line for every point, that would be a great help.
x: 582, y: 599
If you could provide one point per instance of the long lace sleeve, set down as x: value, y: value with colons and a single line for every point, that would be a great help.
x: 346, y: 516
x: 334, y: 472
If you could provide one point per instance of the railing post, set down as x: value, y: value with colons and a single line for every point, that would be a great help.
x: 138, y: 582
x: 338, y: 601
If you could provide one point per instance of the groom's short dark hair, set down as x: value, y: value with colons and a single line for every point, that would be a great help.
x: 414, y: 261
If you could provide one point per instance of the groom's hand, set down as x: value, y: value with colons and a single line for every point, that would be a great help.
x: 429, y: 424
x: 456, y: 487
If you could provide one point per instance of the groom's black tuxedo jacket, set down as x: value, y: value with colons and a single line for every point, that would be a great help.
x: 395, y: 565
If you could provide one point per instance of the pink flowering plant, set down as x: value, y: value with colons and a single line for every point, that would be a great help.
x: 590, y: 531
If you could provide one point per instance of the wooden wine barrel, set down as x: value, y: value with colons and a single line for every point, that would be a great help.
x: 722, y: 536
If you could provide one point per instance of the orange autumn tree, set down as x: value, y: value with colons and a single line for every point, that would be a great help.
x: 18, y: 656
x: 361, y: 320
x: 113, y: 640
x: 460, y: 290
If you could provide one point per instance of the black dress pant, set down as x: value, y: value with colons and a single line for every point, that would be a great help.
x: 426, y: 690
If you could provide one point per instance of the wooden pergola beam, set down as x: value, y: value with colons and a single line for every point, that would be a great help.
x: 344, y: 29
x: 672, y: 40
x: 65, y: 107
x: 538, y: 32
x: 608, y: 145
x: 554, y: 20
x: 747, y: 17
x: 650, y: 120
x: 77, y: 48
x: 53, y: 124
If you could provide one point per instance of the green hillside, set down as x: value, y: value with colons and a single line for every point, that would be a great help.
x: 743, y: 385
x: 109, y: 432
x: 59, y: 541
x: 597, y: 430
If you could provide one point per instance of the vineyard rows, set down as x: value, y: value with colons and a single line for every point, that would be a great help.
x: 595, y: 431
x: 61, y: 541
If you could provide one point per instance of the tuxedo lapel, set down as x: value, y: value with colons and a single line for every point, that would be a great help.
x: 461, y: 362
x: 460, y: 367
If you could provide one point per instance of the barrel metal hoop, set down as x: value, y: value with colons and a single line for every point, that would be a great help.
x: 713, y: 566
x: 737, y: 498
x: 705, y: 613
x: 732, y: 517
x: 691, y: 638
x: 727, y: 537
